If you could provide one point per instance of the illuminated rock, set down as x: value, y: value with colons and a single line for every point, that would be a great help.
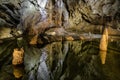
x: 17, y: 56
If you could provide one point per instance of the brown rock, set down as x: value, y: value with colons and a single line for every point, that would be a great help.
x: 34, y: 40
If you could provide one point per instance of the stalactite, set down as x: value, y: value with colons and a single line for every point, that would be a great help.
x: 61, y: 13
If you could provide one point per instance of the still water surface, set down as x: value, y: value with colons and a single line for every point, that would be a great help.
x: 69, y: 60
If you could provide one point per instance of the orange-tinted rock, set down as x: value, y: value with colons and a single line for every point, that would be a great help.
x: 103, y: 56
x: 104, y: 40
x: 34, y: 40
x: 17, y: 56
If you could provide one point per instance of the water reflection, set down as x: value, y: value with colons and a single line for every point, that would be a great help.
x: 77, y: 60
x: 103, y: 56
x: 70, y: 60
x: 42, y: 72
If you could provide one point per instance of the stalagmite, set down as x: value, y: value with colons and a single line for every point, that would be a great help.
x: 18, y: 56
x: 103, y: 45
x: 104, y: 40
